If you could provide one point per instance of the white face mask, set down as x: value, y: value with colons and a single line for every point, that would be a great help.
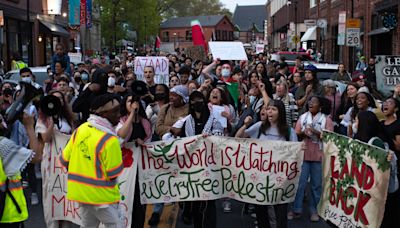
x: 225, y: 73
x: 27, y: 79
x: 252, y: 99
x: 111, y: 82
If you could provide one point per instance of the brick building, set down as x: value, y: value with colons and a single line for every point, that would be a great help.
x: 375, y: 39
x: 179, y: 31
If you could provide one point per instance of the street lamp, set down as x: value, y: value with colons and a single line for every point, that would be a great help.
x: 174, y: 34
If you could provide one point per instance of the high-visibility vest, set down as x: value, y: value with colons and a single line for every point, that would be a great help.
x: 94, y: 161
x: 14, y: 211
x: 18, y: 65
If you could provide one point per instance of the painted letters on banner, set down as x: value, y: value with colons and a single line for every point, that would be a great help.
x: 355, y: 182
x: 83, y: 12
x: 88, y: 13
x: 58, y: 207
x: 207, y: 168
x: 160, y: 65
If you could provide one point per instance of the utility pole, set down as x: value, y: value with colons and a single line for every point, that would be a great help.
x: 295, y: 24
x: 29, y: 42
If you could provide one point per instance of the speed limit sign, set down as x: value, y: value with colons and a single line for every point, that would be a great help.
x: 353, y: 37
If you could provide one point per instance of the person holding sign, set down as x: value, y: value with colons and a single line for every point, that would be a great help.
x: 273, y: 126
x: 93, y: 158
x: 309, y: 127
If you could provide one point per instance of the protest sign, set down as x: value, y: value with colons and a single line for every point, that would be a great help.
x: 259, y: 48
x: 54, y: 177
x: 355, y: 182
x: 387, y: 70
x: 208, y: 168
x: 167, y: 47
x: 227, y: 50
x: 160, y: 65
x: 75, y: 57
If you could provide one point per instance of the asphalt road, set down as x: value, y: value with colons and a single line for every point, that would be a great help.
x: 235, y: 219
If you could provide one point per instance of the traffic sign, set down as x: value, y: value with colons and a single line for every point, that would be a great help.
x: 341, y: 39
x: 295, y: 39
x: 342, y: 17
x: 353, y: 37
x: 353, y: 23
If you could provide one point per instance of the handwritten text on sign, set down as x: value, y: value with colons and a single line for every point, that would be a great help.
x: 55, y: 184
x: 198, y: 168
x: 355, y: 184
x: 160, y: 65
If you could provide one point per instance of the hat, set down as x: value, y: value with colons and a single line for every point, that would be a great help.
x: 363, y: 89
x: 311, y: 68
x: 182, y: 91
x: 139, y: 88
x: 359, y: 77
x: 329, y: 83
x: 362, y: 57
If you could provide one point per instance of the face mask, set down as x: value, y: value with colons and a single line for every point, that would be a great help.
x: 147, y: 100
x: 78, y: 79
x: 159, y: 96
x: 27, y: 79
x: 354, y: 128
x: 85, y: 77
x: 198, y: 106
x: 252, y: 99
x: 111, y: 82
x: 225, y: 73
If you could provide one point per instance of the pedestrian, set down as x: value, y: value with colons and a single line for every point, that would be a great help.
x: 370, y: 72
x: 311, y: 86
x: 273, y: 126
x: 91, y: 183
x: 17, y: 63
x: 341, y: 74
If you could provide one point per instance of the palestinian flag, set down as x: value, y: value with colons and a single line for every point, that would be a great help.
x: 157, y: 44
x: 198, y: 35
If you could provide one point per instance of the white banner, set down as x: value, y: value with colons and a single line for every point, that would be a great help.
x: 54, y: 176
x: 160, y: 65
x: 228, y: 50
x: 198, y: 168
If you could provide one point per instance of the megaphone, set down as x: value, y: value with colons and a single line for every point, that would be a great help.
x: 50, y: 105
x: 27, y: 94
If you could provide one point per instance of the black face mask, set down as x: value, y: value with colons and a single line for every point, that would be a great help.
x: 160, y: 96
x: 8, y: 91
x: 198, y: 106
x: 78, y: 79
x: 147, y: 100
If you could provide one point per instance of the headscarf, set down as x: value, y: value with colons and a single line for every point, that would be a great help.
x: 182, y: 91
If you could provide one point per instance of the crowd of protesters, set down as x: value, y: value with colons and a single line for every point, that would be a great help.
x: 268, y: 101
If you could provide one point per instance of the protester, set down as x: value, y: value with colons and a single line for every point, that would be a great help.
x: 341, y: 74
x: 310, y: 87
x: 62, y: 58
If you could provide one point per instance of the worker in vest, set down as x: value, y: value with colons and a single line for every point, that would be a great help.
x: 17, y: 63
x: 13, y: 159
x: 93, y: 158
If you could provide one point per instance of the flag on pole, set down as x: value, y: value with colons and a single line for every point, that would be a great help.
x: 157, y: 44
x: 198, y: 35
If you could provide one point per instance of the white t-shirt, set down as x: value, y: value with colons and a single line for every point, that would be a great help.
x: 271, y: 134
x: 65, y: 128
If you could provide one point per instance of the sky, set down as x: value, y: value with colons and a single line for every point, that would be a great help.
x: 231, y: 4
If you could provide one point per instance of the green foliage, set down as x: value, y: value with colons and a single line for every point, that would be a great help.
x: 145, y: 16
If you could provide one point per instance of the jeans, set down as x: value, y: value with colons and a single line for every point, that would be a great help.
x: 158, y: 207
x: 312, y: 169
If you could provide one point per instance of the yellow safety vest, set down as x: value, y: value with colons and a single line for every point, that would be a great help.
x: 12, y: 213
x: 18, y: 65
x: 94, y: 161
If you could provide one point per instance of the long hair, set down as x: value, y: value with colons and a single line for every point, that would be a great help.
x: 224, y: 97
x: 324, y: 104
x: 283, y: 127
x: 371, y: 103
x: 345, y: 99
x: 124, y: 111
x: 368, y: 126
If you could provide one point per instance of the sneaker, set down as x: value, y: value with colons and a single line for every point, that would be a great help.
x: 34, y: 199
x: 292, y: 215
x: 314, y: 217
x: 227, y: 206
x: 154, y: 220
x: 253, y: 215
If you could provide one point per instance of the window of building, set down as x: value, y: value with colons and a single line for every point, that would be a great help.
x: 230, y: 35
x: 313, y: 3
x: 189, y: 35
x: 165, y: 36
x: 224, y: 35
x: 218, y: 36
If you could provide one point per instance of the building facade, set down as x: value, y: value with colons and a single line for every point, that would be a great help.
x: 249, y: 23
x: 178, y: 31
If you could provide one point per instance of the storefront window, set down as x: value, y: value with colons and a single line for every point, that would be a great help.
x: 48, y: 50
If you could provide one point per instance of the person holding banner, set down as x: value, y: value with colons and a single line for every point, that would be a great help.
x: 309, y: 127
x: 273, y: 126
x: 91, y: 183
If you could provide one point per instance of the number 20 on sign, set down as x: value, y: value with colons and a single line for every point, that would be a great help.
x: 353, y: 37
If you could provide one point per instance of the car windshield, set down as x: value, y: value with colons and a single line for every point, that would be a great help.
x: 324, y: 74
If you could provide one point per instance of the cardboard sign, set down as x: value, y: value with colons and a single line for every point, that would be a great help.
x: 387, y: 70
x: 198, y: 168
x: 160, y: 65
x: 55, y: 177
x: 228, y: 50
x: 196, y: 53
x: 259, y: 48
x: 75, y: 57
x: 355, y: 182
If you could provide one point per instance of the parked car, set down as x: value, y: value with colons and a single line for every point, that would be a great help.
x: 39, y: 72
x: 290, y: 57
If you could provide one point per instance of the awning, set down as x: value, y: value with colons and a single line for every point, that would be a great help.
x: 311, y: 34
x: 378, y: 31
x: 55, y: 29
